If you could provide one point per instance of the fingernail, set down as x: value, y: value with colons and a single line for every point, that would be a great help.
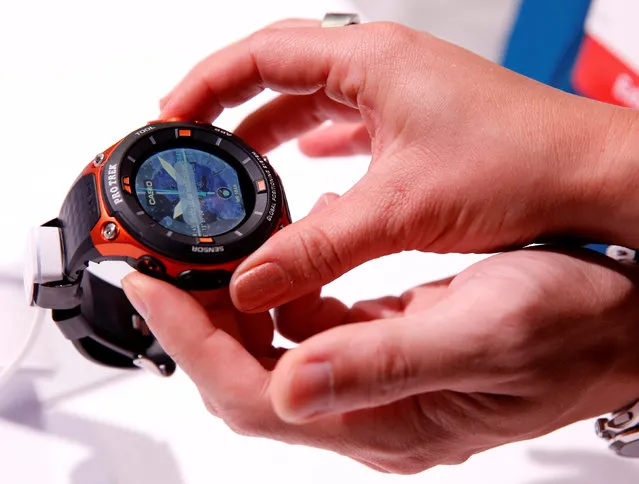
x: 132, y: 290
x: 311, y: 392
x: 261, y: 285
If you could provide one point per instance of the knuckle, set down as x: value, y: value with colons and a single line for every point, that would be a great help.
x: 362, y: 61
x: 390, y: 35
x: 457, y: 459
x: 210, y: 406
x: 405, y: 465
x: 243, y: 426
x: 320, y: 257
x: 259, y: 40
x: 399, y: 199
x: 392, y: 373
x: 510, y: 344
x: 258, y: 36
x: 388, y: 48
x: 251, y: 422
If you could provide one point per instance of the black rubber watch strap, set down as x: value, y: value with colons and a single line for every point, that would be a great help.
x: 95, y: 315
x: 78, y: 215
x: 107, y: 330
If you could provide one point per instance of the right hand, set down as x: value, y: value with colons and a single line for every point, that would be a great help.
x: 466, y: 156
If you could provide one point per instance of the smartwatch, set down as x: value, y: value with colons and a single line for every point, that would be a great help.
x: 180, y: 201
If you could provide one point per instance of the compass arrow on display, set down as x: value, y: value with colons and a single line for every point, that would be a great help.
x: 168, y: 168
x: 177, y: 210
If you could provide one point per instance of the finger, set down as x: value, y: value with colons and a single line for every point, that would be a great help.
x: 288, y: 60
x: 254, y: 331
x: 340, y: 139
x: 312, y: 252
x: 218, y: 302
x: 311, y: 314
x: 211, y: 357
x: 234, y: 385
x: 289, y: 116
x: 280, y: 24
x: 371, y: 364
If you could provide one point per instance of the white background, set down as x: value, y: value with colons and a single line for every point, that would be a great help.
x: 76, y: 76
x: 613, y: 23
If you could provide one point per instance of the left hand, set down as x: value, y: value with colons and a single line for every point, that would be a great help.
x: 512, y: 348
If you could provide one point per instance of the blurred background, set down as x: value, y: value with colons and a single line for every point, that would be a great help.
x: 77, y: 76
x: 481, y: 26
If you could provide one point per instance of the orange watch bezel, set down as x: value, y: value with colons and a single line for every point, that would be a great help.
x: 125, y: 246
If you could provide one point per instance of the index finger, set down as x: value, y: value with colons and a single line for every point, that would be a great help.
x: 294, y: 60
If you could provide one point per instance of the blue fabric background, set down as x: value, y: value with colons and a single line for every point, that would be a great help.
x: 544, y: 44
x: 545, y: 40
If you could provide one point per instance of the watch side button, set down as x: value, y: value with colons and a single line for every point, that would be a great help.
x: 150, y: 266
x: 194, y: 280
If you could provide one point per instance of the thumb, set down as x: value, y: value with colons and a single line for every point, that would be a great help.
x: 314, y: 251
x: 209, y: 353
x: 371, y: 364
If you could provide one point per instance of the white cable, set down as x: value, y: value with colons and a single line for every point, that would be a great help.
x: 8, y: 371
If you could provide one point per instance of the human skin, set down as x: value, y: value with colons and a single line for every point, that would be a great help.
x: 514, y: 347
x: 465, y: 157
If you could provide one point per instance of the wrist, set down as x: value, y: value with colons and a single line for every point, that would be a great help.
x: 601, y: 190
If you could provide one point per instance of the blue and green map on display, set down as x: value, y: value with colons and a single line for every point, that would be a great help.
x: 190, y: 192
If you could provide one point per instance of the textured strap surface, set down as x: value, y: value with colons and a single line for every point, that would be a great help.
x: 78, y: 215
x: 106, y: 328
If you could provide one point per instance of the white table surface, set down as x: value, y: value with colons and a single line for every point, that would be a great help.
x: 74, y: 77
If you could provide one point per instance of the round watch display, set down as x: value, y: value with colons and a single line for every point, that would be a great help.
x: 190, y: 192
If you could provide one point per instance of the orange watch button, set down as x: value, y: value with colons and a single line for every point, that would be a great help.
x: 206, y: 240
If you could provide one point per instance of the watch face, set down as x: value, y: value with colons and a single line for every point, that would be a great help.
x: 190, y: 192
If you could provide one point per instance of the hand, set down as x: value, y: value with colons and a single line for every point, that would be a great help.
x: 514, y: 347
x: 466, y: 156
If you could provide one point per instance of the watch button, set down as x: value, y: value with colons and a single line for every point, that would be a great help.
x: 150, y: 266
x: 203, y: 280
